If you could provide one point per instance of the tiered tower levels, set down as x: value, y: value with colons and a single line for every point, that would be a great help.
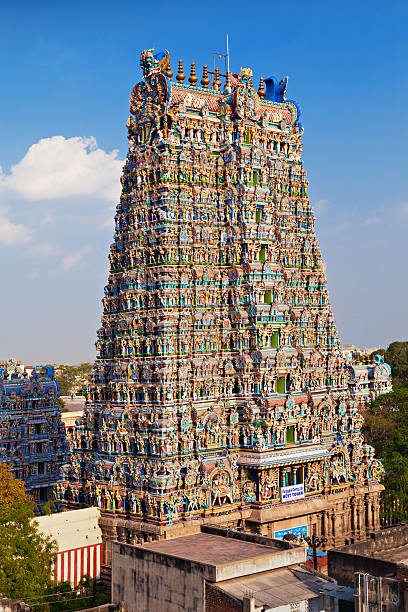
x: 219, y: 388
x: 32, y: 435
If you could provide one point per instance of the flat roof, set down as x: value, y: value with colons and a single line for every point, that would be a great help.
x: 394, y: 555
x: 211, y: 549
x: 283, y: 586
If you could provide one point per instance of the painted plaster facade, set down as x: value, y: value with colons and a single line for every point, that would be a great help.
x: 32, y: 435
x: 219, y: 392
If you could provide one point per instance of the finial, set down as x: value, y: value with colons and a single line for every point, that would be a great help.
x: 169, y: 72
x: 180, y: 75
x: 261, y: 89
x: 217, y: 81
x: 227, y: 88
x: 193, y: 77
x: 205, y: 81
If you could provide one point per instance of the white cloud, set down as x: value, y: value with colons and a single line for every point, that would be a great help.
x: 109, y: 221
x: 62, y: 168
x: 12, y: 233
x: 372, y: 221
x: 71, y: 260
x: 320, y: 207
x: 34, y: 274
x: 48, y: 219
x: 44, y: 249
x: 333, y: 229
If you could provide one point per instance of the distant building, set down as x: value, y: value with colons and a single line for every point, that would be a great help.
x: 220, y: 570
x: 69, y: 419
x: 32, y: 434
x: 350, y: 351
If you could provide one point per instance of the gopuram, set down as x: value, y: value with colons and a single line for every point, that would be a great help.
x: 219, y: 393
x: 32, y: 434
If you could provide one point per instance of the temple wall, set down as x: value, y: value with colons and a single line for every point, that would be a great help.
x: 73, y: 528
x: 79, y: 540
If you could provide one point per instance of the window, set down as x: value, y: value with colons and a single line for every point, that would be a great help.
x: 281, y: 384
x: 275, y: 339
x: 290, y: 435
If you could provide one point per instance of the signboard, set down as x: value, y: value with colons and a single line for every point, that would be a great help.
x: 292, y: 493
x: 299, y: 532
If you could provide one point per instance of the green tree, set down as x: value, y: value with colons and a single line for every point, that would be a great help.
x: 63, y: 597
x: 72, y: 377
x: 386, y: 428
x: 397, y: 356
x: 25, y: 554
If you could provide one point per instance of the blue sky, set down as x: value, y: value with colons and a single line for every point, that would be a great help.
x: 66, y: 73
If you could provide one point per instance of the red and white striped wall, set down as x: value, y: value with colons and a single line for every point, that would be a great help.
x: 72, y: 564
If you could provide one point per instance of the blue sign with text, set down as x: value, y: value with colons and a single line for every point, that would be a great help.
x: 299, y: 532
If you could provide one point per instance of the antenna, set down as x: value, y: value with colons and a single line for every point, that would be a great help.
x: 221, y: 56
x: 228, y: 65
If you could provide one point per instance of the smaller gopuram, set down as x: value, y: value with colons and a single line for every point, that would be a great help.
x: 367, y: 381
x: 32, y: 434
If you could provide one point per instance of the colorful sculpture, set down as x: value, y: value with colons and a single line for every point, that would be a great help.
x: 219, y: 388
x: 368, y: 381
x: 32, y: 435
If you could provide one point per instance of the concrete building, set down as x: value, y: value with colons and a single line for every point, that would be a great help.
x: 79, y: 541
x: 377, y: 569
x: 219, y: 570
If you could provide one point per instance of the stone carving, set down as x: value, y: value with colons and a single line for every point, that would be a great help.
x: 32, y: 434
x: 219, y: 377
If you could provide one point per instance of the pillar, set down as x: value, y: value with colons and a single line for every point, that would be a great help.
x: 109, y: 533
x: 377, y: 523
x: 326, y: 524
x: 353, y: 516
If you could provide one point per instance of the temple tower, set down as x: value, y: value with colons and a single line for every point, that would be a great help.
x: 219, y: 393
x: 32, y: 435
